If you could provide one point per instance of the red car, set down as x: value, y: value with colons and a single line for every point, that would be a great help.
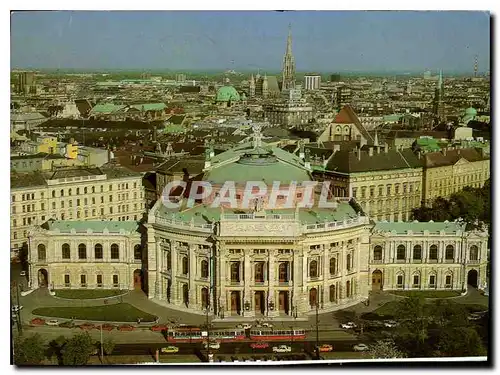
x: 259, y: 345
x: 87, y: 326
x: 159, y: 327
x: 126, y: 327
x: 106, y: 327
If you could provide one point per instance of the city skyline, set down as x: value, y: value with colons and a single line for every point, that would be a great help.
x: 248, y: 41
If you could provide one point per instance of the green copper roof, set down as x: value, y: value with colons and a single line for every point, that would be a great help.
x: 106, y: 108
x: 172, y: 128
x: 149, y: 106
x: 417, y: 227
x: 227, y: 93
x: 95, y: 226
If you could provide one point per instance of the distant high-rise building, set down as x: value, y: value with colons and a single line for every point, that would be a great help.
x: 335, y: 78
x: 438, y: 107
x: 427, y: 75
x: 181, y: 77
x: 342, y: 97
x: 26, y: 82
x: 288, y: 65
x: 312, y: 82
x: 252, y: 87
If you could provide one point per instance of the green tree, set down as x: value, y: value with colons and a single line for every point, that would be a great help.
x: 78, y: 350
x: 108, y: 346
x: 460, y: 342
x: 385, y: 349
x: 446, y: 314
x: 29, y: 350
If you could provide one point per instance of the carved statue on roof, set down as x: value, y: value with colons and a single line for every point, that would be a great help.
x: 259, y: 204
x: 307, y: 155
x: 257, y: 135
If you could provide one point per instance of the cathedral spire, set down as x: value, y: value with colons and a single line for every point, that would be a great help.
x: 288, y: 73
x: 289, y: 40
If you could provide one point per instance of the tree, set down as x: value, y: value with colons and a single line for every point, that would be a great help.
x: 108, y: 346
x: 460, y: 342
x: 29, y: 350
x: 447, y: 314
x: 385, y: 349
x: 78, y: 349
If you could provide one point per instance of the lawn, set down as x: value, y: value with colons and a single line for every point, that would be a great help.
x: 120, y: 312
x: 88, y: 293
x: 389, y: 309
x: 426, y: 293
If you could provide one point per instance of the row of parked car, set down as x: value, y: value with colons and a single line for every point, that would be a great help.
x: 290, y: 357
x: 83, y: 326
x: 385, y: 323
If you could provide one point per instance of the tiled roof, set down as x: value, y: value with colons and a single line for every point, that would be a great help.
x: 417, y: 227
x: 24, y: 180
x: 95, y: 226
x: 193, y: 166
x: 439, y: 159
x: 347, y: 116
x: 347, y: 161
x: 74, y: 172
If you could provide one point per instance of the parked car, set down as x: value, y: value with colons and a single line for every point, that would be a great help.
x: 360, y: 348
x: 390, y: 323
x: 126, y: 327
x: 37, y: 322
x: 259, y: 345
x: 107, y: 327
x: 87, y: 326
x: 268, y: 325
x: 325, y: 348
x: 67, y: 324
x: 170, y: 349
x: 52, y: 322
x: 23, y: 273
x: 348, y: 325
x: 212, y: 345
x: 16, y: 308
x: 159, y: 327
x: 244, y: 326
x: 282, y: 349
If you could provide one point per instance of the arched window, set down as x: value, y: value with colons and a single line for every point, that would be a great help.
x: 259, y: 272
x: 93, y: 189
x: 416, y: 279
x: 333, y: 266
x: 62, y: 193
x: 474, y: 253
x: 282, y: 272
x: 313, y: 268
x: 69, y: 191
x: 313, y: 297
x: 401, y: 252
x: 400, y: 280
x: 82, y: 251
x: 432, y: 280
x: 115, y: 251
x: 332, y: 293
x: 169, y: 260
x: 417, y: 252
x: 77, y: 191
x: 85, y: 190
x: 42, y: 253
x: 53, y: 193
x: 137, y: 252
x: 184, y: 265
x: 433, y: 252
x: 235, y: 272
x: 98, y: 251
x: 66, y: 253
x: 449, y: 252
x: 377, y: 253
x: 348, y: 262
x: 204, y: 297
x: 204, y: 268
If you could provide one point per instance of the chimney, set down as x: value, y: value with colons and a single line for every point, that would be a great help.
x: 370, y: 151
x: 386, y: 148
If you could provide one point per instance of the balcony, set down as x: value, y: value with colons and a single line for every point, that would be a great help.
x: 416, y: 260
x: 432, y: 261
x: 473, y: 261
x: 377, y: 261
x: 400, y: 260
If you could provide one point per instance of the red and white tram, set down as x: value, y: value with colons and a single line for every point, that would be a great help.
x: 263, y: 334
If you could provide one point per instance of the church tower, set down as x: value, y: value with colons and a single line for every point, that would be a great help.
x: 252, y: 87
x: 265, y: 88
x: 288, y: 64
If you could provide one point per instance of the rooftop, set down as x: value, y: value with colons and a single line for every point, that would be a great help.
x: 94, y: 226
x: 418, y: 228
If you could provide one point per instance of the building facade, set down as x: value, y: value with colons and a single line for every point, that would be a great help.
x: 87, y: 255
x: 312, y: 82
x: 73, y: 194
x: 426, y: 256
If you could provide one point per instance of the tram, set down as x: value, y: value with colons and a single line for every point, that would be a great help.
x: 263, y: 334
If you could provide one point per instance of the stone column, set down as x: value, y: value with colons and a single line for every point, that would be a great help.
x: 159, y: 259
x: 247, y: 297
x: 174, y: 293
x: 326, y: 263
x: 192, y: 274
x: 158, y: 269
x: 272, y: 283
x: 222, y: 264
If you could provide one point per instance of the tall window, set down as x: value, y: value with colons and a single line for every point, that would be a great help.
x: 98, y: 251
x: 399, y: 280
x: 204, y: 269
x: 259, y: 272
x: 169, y: 260
x: 333, y: 266
x: 432, y: 280
x: 85, y: 190
x: 377, y: 253
x: 115, y: 251
x: 184, y: 265
x: 433, y: 252
x: 99, y: 280
x: 332, y: 293
x: 62, y: 193
x: 115, y: 280
x: 448, y: 280
x: 235, y: 272
x: 313, y: 268
x: 67, y: 282
x: 449, y: 252
x: 66, y: 253
x: 82, y: 251
x: 348, y: 262
x: 416, y: 280
x: 83, y: 280
x: 474, y: 253
x: 348, y: 289
x: 417, y: 252
x: 283, y: 272
x: 401, y: 252
x: 42, y: 253
x: 137, y: 252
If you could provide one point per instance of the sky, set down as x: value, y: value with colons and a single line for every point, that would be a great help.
x: 323, y: 41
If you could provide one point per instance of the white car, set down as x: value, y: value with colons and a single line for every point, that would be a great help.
x: 390, y: 324
x: 268, y: 325
x: 244, y: 326
x: 23, y: 273
x: 16, y: 308
x: 360, y: 348
x: 348, y: 325
x: 282, y: 349
x: 212, y: 345
x: 53, y: 322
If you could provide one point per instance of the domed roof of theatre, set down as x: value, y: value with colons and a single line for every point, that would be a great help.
x: 256, y: 161
x: 471, y: 111
x: 227, y: 93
